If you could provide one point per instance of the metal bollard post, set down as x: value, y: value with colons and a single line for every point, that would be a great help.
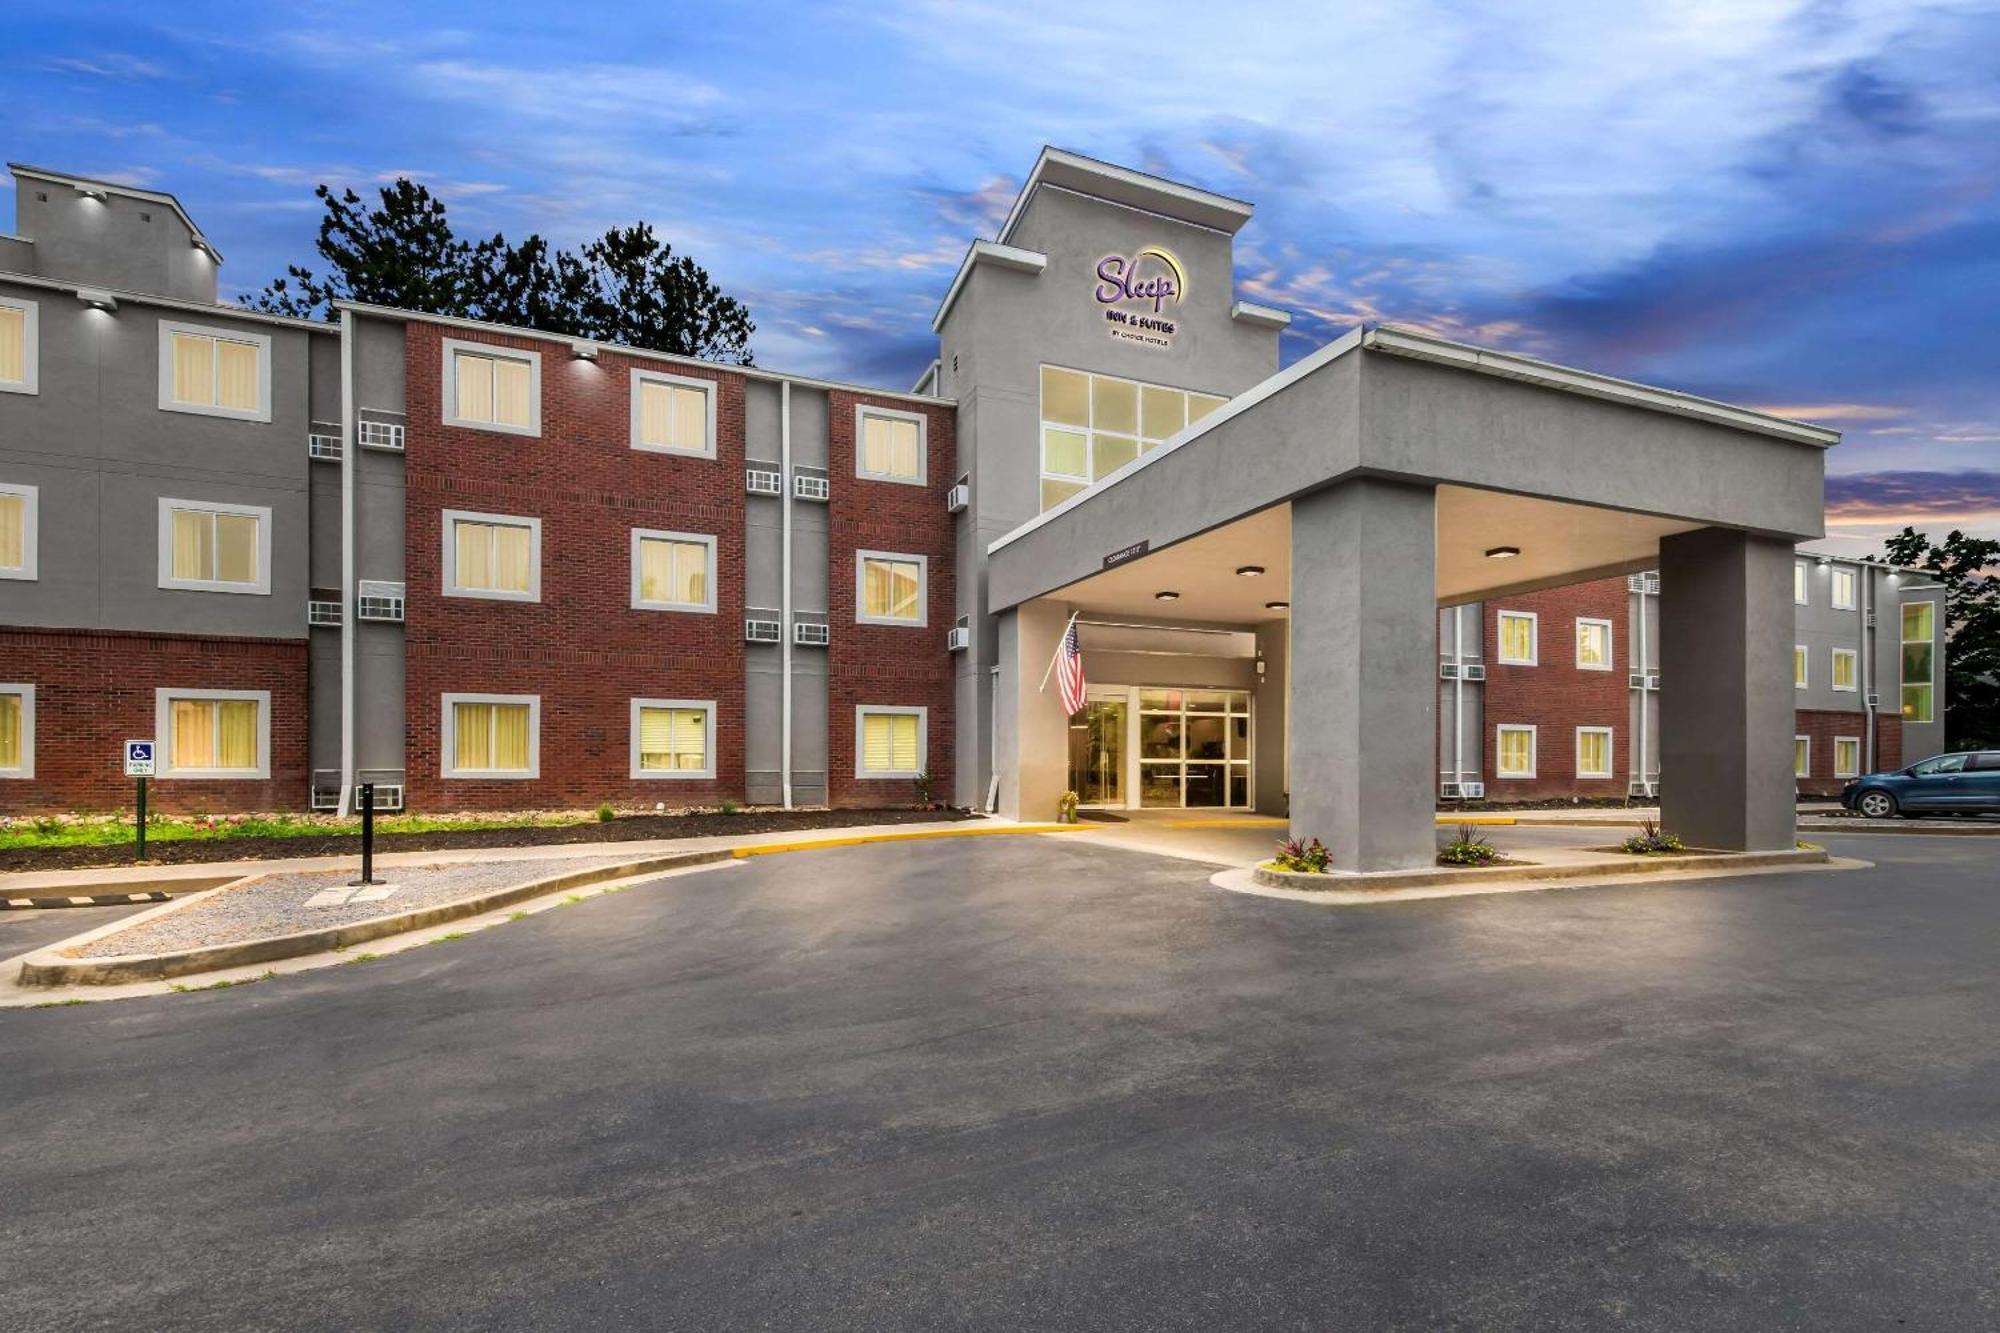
x: 140, y: 828
x: 367, y: 794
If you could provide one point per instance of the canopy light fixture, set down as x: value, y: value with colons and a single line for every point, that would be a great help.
x: 1166, y: 595
x: 97, y: 300
x: 1249, y: 571
x: 1277, y: 606
x: 1502, y: 552
x: 583, y: 350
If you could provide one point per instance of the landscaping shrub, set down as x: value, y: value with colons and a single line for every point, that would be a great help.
x: 605, y: 814
x: 1066, y: 808
x: 1468, y: 847
x: 1650, y: 841
x: 1308, y: 858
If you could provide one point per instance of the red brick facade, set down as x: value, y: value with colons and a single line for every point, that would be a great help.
x: 1821, y: 728
x: 94, y: 690
x: 582, y: 648
x: 905, y: 666
x: 1556, y: 696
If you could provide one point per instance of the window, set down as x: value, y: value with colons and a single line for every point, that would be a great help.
x: 19, y: 541
x: 492, y: 736
x: 673, y: 414
x: 889, y: 742
x: 1847, y: 756
x: 1843, y: 669
x: 215, y: 372
x: 1800, y: 585
x: 213, y: 733
x: 1919, y: 650
x: 1593, y: 645
x: 1842, y: 594
x: 1801, y: 756
x: 1517, y: 638
x: 1514, y: 752
x: 1801, y: 672
x: 1092, y: 425
x: 20, y: 345
x: 889, y: 446
x: 673, y: 571
x: 492, y: 388
x: 17, y: 731
x: 1194, y: 748
x: 492, y: 555
x: 1593, y: 752
x: 1944, y: 763
x: 210, y: 547
x: 889, y: 588
x: 673, y: 738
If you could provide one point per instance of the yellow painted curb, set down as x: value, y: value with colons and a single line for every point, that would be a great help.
x: 1483, y: 821
x: 1225, y: 823
x: 856, y: 840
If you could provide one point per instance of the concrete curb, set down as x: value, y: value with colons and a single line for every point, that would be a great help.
x: 85, y: 900
x: 112, y: 891
x: 1384, y: 880
x: 913, y: 835
x: 1870, y: 827
x: 51, y: 967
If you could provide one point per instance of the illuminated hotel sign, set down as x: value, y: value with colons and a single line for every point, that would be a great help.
x: 1136, y: 292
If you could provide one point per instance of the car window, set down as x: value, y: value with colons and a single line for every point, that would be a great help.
x: 1944, y: 763
x: 1984, y: 762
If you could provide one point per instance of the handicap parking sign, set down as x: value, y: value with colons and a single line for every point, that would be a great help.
x: 138, y: 759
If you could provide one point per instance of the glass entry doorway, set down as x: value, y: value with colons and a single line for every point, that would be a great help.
x: 1154, y: 748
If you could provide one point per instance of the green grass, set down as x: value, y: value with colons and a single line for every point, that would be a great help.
x: 221, y: 985
x: 110, y: 830
x: 58, y: 1004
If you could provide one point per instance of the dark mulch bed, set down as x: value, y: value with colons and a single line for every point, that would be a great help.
x: 630, y: 828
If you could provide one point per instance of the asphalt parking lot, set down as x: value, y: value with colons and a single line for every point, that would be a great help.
x: 1026, y: 1083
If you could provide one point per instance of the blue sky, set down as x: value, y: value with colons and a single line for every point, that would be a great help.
x: 1790, y: 205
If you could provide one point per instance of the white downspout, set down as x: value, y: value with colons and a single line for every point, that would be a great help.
x: 785, y: 593
x: 1458, y: 697
x: 1640, y: 669
x: 1866, y: 605
x: 349, y: 432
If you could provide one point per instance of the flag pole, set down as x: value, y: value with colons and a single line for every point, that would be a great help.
x: 1060, y: 639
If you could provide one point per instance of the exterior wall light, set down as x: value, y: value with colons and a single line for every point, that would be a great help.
x: 1166, y: 595
x: 97, y: 300
x: 1277, y: 606
x: 583, y: 350
x: 1249, y: 571
x: 1502, y: 552
x: 92, y: 192
x: 1824, y: 560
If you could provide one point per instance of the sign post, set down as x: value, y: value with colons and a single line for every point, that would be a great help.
x: 139, y: 765
x: 367, y: 880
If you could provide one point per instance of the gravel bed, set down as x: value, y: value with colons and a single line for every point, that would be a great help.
x: 276, y: 904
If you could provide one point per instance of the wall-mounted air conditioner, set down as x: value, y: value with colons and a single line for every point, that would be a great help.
x: 1640, y: 789
x: 382, y: 435
x: 812, y: 488
x: 1472, y: 791
x: 959, y: 498
x: 1874, y: 699
x: 1447, y: 671
x: 378, y: 600
x: 763, y: 481
x: 763, y: 631
x: 1653, y: 680
x: 322, y: 613
x: 1472, y: 671
x: 958, y: 638
x: 809, y: 634
x: 323, y: 448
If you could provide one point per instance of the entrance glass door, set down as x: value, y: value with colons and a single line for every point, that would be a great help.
x: 1097, y: 751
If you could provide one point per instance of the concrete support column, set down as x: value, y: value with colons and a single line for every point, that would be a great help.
x: 1363, y: 714
x: 1031, y: 732
x: 1274, y: 643
x: 1726, y: 696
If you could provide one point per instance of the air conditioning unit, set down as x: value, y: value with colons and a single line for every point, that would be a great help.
x: 323, y: 448
x: 1874, y: 699
x: 325, y: 789
x: 810, y: 634
x: 1472, y: 791
x: 763, y: 481
x: 959, y: 498
x: 1635, y: 583
x: 1447, y: 671
x: 322, y: 613
x: 763, y: 631
x: 812, y: 488
x: 382, y: 435
x: 1640, y: 789
x: 388, y: 796
x: 958, y: 638
x: 378, y: 600
x: 1653, y: 584
x: 1653, y: 680
x: 1472, y: 671
x: 1871, y: 619
x: 1448, y: 790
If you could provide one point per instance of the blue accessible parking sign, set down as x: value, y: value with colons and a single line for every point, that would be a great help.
x: 138, y: 759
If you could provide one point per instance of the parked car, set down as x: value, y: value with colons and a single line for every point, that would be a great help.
x: 1964, y: 783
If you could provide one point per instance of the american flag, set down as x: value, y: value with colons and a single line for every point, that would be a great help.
x: 1069, y: 671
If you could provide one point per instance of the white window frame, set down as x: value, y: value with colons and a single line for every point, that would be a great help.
x: 705, y: 387
x: 1834, y: 577
x: 923, y: 564
x: 1534, y: 619
x: 920, y: 712
x: 449, y: 405
x: 1610, y: 735
x: 705, y: 774
x: 27, y: 694
x: 1610, y: 647
x: 262, y: 341
x: 1801, y: 584
x: 1796, y: 742
x: 31, y: 532
x: 1853, y: 671
x: 1534, y: 750
x: 1090, y: 432
x: 452, y: 517
x: 163, y: 730
x: 696, y: 538
x: 31, y: 345
x: 262, y: 513
x: 448, y: 738
x: 1801, y: 666
x: 862, y: 411
x: 1855, y: 770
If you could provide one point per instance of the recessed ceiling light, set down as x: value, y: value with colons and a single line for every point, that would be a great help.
x: 1503, y: 552
x: 1249, y: 571
x: 1166, y: 596
x: 1277, y: 606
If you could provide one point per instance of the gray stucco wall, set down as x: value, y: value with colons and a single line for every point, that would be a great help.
x: 127, y: 245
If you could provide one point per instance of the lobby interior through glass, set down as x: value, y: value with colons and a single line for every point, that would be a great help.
x: 1161, y: 747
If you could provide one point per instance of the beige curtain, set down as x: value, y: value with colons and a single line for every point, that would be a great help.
x: 513, y: 557
x: 1593, y: 752
x: 13, y: 531
x: 236, y: 548
x: 671, y: 571
x: 194, y: 733
x: 194, y: 544
x: 1593, y: 647
x: 510, y: 736
x: 13, y: 344
x: 690, y: 419
x: 238, y: 733
x: 10, y: 731
x: 691, y: 573
x: 673, y: 738
x: 1517, y: 752
x: 472, y: 737
x: 1065, y: 396
x: 474, y: 375
x: 236, y: 375
x: 889, y: 742
x: 510, y: 392
x: 655, y: 414
x: 474, y: 555
x: 194, y: 369
x: 1517, y: 638
x: 889, y: 589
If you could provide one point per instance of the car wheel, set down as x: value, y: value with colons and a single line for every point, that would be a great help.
x: 1876, y: 804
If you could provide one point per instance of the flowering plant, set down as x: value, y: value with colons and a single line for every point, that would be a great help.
x: 1309, y: 858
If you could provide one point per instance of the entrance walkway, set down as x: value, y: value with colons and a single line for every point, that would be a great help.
x: 1237, y: 838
